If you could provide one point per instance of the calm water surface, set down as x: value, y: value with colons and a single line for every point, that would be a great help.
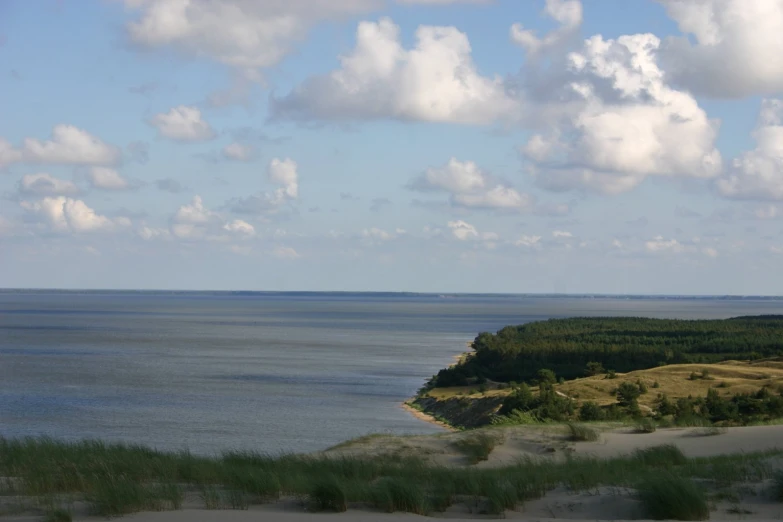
x: 268, y: 372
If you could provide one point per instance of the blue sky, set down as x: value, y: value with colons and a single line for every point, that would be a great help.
x: 413, y: 145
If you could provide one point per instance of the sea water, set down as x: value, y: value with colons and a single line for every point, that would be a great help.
x: 269, y: 372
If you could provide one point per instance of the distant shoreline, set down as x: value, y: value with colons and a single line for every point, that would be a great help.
x: 391, y: 294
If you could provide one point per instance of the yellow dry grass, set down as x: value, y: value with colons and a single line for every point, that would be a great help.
x: 729, y: 378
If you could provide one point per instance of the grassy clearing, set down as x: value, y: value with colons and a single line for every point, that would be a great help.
x: 668, y: 497
x: 581, y: 433
x: 119, y: 479
x: 477, y: 447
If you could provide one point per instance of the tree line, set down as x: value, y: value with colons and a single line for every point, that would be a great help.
x: 617, y: 344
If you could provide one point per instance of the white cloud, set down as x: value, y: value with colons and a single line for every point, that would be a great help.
x: 68, y: 145
x: 626, y: 124
x: 238, y: 152
x: 8, y: 154
x: 562, y: 234
x: 456, y: 176
x: 195, y: 213
x: 64, y: 214
x: 43, y: 184
x: 245, y: 34
x: 149, y: 233
x: 568, y: 13
x: 528, y: 241
x: 107, y: 179
x: 196, y: 221
x: 659, y: 244
x: 435, y: 81
x: 470, y: 187
x: 758, y: 174
x: 182, y: 123
x: 462, y: 230
x: 498, y: 197
x: 239, y: 227
x: 735, y: 48
x: 283, y: 252
x: 284, y: 172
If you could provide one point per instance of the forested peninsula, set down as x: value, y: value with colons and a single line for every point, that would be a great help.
x: 616, y: 368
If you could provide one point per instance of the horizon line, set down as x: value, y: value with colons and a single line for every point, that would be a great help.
x: 376, y: 292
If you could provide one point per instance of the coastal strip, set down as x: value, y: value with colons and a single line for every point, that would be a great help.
x: 426, y: 417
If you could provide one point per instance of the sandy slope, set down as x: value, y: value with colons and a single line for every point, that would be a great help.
x: 547, y: 442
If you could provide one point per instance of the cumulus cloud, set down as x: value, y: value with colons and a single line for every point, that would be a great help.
x: 238, y: 152
x: 462, y: 230
x: 470, y: 187
x: 732, y: 48
x: 196, y: 221
x: 68, y: 145
x: 43, y: 184
x: 758, y: 174
x: 625, y: 124
x: 568, y: 13
x: 107, y: 179
x: 562, y: 234
x: 182, y: 123
x: 239, y: 227
x: 435, y: 81
x: 63, y: 214
x: 8, y: 154
x: 244, y: 34
x: 283, y: 173
x: 528, y: 241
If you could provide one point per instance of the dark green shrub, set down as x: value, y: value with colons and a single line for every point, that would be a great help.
x: 590, y: 411
x: 668, y: 497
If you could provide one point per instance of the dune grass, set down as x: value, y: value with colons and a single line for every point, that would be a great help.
x: 477, y: 447
x: 582, y: 433
x: 645, y: 425
x: 669, y: 497
x: 778, y: 486
x: 118, y: 479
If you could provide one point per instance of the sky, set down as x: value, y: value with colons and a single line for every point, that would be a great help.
x: 512, y: 146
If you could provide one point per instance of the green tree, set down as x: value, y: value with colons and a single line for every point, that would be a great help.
x: 627, y: 393
x: 594, y: 368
